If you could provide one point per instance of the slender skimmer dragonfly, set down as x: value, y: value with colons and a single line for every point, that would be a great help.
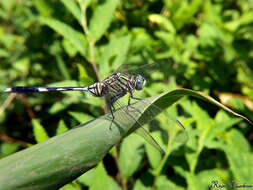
x: 113, y: 88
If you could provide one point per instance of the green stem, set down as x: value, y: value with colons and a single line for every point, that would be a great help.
x: 90, y: 40
x: 161, y: 166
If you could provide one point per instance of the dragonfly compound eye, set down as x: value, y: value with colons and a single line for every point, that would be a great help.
x: 140, y: 82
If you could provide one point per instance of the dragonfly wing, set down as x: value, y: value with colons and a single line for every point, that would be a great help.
x: 146, y: 135
x: 140, y: 131
x: 144, y: 70
x: 175, y: 128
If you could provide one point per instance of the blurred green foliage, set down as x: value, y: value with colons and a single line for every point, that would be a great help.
x: 201, y: 45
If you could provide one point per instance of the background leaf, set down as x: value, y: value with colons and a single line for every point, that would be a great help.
x: 39, y: 132
x: 99, y: 26
x: 201, y: 45
x: 75, y: 37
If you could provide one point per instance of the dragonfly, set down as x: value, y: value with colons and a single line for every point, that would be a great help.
x: 114, y: 87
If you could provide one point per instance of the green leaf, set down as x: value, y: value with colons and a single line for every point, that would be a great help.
x: 193, y: 182
x: 72, y: 6
x: 86, y: 179
x: 210, y: 177
x: 101, y: 180
x: 68, y: 187
x: 163, y: 21
x: 69, y: 48
x: 154, y: 156
x: 8, y: 148
x: 61, y: 127
x: 83, y: 76
x: 100, y: 177
x: 62, y: 67
x: 43, y: 7
x: 75, y: 37
x: 113, y: 185
x: 102, y: 19
x: 239, y: 156
x: 186, y: 12
x: 114, y: 54
x: 39, y: 132
x: 61, y: 159
x: 4, y: 53
x: 140, y: 186
x: 163, y: 183
x: 81, y: 117
x: 131, y: 153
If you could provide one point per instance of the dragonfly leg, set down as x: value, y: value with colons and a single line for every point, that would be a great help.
x: 129, y: 102
x: 135, y: 97
x: 112, y: 108
x: 129, y: 99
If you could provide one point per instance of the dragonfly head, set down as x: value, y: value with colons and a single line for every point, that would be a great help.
x: 139, y: 82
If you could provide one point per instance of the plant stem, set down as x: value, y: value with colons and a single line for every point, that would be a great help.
x: 91, y: 44
x: 4, y: 137
x: 122, y: 179
x: 161, y: 166
x: 7, y: 102
x: 90, y: 40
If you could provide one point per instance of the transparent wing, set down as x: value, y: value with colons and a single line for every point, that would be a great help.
x: 175, y: 129
x: 144, y: 70
x: 131, y: 114
x: 140, y: 131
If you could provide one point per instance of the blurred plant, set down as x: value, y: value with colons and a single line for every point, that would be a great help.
x: 202, y: 45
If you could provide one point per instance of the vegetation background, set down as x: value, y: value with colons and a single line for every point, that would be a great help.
x: 201, y: 45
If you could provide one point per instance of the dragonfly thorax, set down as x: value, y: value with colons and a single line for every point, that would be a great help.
x: 139, y: 82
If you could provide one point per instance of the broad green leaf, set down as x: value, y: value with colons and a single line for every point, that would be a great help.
x: 68, y: 187
x: 61, y: 127
x: 43, y: 8
x: 114, y: 54
x: 239, y: 156
x: 83, y: 76
x: 131, y: 154
x: 86, y: 179
x: 4, y: 53
x: 102, y: 19
x: 100, y: 178
x: 193, y: 182
x: 39, y: 132
x: 113, y: 185
x: 186, y: 12
x: 81, y: 117
x: 8, y: 148
x: 224, y: 120
x: 84, y: 4
x: 61, y: 159
x: 8, y: 4
x: 140, y: 186
x: 62, y: 67
x: 63, y: 104
x: 154, y: 156
x: 163, y: 21
x: 72, y: 6
x: 22, y: 65
x: 75, y: 37
x: 203, y: 120
x: 210, y: 177
x: 69, y: 48
x: 163, y: 183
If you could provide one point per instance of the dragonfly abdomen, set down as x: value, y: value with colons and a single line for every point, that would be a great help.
x: 96, y: 89
x: 28, y: 89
